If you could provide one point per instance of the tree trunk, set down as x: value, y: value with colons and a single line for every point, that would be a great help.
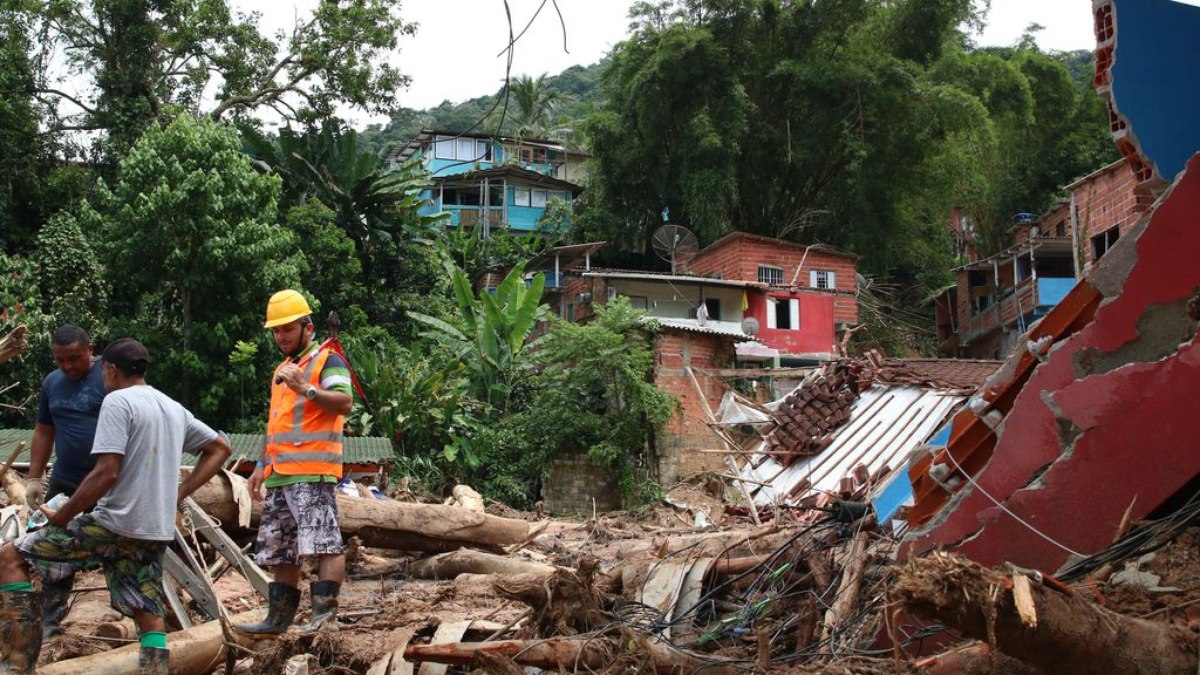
x: 384, y: 523
x: 193, y: 651
x: 1064, y: 634
x: 583, y: 654
x: 465, y: 560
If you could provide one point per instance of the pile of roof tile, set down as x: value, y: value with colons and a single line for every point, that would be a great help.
x: 804, y: 423
x: 806, y: 418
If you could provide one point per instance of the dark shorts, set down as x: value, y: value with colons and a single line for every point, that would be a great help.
x: 298, y: 521
x: 133, y: 568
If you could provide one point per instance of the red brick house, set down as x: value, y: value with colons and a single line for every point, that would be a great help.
x: 800, y: 297
x: 997, y: 298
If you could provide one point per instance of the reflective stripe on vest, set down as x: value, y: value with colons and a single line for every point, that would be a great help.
x: 291, y: 448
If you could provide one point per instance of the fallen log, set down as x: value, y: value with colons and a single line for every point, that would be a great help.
x: 193, y: 651
x: 565, y: 602
x: 385, y: 523
x: 469, y: 561
x: 571, y: 654
x: 1071, y: 635
x: 847, y: 595
x: 14, y: 488
x: 484, y: 585
x: 13, y: 344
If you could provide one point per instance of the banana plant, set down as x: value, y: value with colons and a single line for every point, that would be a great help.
x: 489, y: 335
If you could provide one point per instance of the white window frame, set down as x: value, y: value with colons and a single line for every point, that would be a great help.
x: 537, y: 195
x: 440, y: 143
x: 776, y: 273
x: 520, y: 196
x: 822, y: 279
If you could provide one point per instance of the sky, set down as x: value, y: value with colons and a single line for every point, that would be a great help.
x: 454, y: 55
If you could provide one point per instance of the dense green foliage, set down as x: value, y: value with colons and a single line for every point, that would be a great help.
x: 855, y: 124
x: 591, y: 394
x: 190, y: 236
x: 153, y: 60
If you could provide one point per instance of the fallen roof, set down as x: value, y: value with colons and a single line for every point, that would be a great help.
x: 853, y: 422
x: 885, y: 424
x: 950, y: 374
x: 355, y: 449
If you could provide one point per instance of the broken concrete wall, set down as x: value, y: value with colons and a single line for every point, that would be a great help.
x: 1106, y: 419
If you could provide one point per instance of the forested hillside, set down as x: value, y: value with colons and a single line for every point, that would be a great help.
x: 575, y: 91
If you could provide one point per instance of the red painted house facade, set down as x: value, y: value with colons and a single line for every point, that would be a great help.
x: 804, y: 295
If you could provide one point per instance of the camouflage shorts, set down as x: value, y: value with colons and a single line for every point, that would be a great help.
x: 298, y: 521
x: 133, y: 568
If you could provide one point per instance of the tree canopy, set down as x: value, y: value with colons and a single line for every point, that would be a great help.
x: 855, y: 124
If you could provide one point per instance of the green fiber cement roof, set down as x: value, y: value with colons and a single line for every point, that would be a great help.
x: 355, y: 449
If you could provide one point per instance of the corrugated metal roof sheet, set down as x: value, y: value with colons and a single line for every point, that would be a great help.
x: 643, y: 275
x: 355, y: 450
x: 730, y: 328
x: 886, y: 423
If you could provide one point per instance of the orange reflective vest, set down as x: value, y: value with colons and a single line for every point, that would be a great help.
x: 302, y: 438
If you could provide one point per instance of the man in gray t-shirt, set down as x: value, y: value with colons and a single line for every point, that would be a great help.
x: 135, y: 488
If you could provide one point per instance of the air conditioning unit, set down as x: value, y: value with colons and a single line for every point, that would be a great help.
x: 583, y: 298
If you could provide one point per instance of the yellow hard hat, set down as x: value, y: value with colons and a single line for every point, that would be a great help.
x: 285, y: 307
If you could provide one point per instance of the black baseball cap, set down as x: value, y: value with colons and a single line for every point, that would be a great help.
x: 127, y: 354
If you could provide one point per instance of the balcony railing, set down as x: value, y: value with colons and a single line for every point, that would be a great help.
x: 1017, y: 307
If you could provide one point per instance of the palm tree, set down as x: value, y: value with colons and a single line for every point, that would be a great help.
x: 374, y: 204
x: 536, y: 105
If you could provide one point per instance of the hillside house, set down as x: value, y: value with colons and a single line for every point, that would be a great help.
x: 493, y: 182
x: 799, y: 296
x: 996, y: 299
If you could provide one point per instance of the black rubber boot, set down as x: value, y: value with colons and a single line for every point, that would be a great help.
x: 20, y: 631
x: 56, y: 597
x: 154, y: 661
x: 282, y: 601
x: 324, y: 604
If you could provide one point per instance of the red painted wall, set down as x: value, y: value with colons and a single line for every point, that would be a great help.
x: 816, y: 334
x: 739, y: 256
x: 1106, y: 423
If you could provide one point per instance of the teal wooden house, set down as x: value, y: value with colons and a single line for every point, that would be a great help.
x: 494, y: 181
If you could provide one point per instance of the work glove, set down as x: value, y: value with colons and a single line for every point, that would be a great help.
x: 34, y: 493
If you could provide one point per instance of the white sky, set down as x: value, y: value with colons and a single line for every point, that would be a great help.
x: 454, y: 53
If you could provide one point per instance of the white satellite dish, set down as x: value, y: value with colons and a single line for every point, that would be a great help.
x: 750, y: 326
x: 674, y: 243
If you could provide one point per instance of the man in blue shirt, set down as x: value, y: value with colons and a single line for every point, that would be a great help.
x: 68, y: 407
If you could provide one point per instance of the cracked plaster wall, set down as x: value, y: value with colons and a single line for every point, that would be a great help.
x: 1106, y: 419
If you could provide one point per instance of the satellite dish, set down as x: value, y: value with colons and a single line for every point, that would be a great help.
x: 674, y: 243
x: 750, y: 326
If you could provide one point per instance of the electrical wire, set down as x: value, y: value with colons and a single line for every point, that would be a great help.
x: 1005, y: 509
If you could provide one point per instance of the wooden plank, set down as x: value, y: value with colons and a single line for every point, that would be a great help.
x: 181, y: 573
x: 224, y: 544
x: 447, y: 632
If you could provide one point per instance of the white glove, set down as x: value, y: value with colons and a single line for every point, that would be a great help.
x: 34, y: 493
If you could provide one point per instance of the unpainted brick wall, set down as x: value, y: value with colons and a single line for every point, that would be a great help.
x: 575, y: 482
x: 687, y: 431
x: 739, y: 258
x: 1108, y: 199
